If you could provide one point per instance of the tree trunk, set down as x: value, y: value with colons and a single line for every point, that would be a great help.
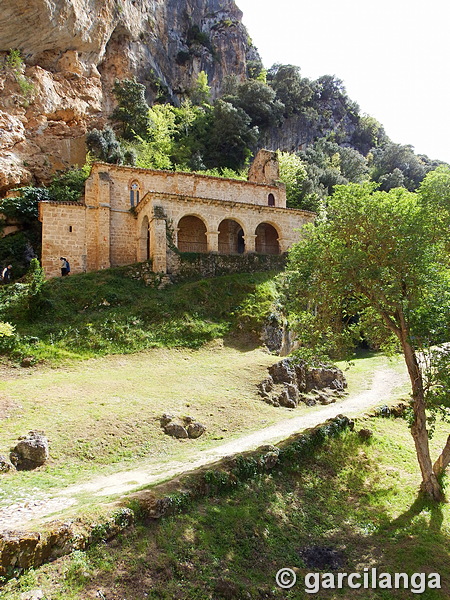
x: 443, y: 461
x: 430, y: 484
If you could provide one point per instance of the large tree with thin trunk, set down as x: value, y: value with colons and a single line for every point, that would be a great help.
x: 378, y: 264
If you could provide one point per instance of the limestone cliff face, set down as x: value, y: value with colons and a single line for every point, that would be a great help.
x: 73, y: 52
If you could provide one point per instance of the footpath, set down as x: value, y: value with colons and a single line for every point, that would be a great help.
x: 384, y: 382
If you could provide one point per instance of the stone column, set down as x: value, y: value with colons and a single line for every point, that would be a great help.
x: 250, y: 243
x: 212, y: 241
x: 158, y: 245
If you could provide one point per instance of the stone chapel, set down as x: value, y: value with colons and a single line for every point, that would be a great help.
x: 131, y: 215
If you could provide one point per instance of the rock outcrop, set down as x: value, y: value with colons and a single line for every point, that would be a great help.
x: 291, y: 381
x: 74, y: 50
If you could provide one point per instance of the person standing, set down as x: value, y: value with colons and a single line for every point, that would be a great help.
x: 65, y: 266
x: 6, y: 274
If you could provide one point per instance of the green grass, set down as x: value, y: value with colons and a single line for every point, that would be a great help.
x: 359, y: 498
x: 106, y: 312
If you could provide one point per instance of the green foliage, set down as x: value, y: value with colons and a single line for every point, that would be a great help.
x: 327, y: 165
x: 293, y: 174
x: 24, y: 207
x: 68, y: 185
x: 14, y: 60
x: 259, y: 101
x: 201, y: 93
x: 368, y: 134
x: 375, y: 251
x: 394, y: 164
x: 155, y: 151
x: 103, y: 145
x: 15, y: 63
x: 229, y: 137
x: 131, y: 112
x: 293, y: 91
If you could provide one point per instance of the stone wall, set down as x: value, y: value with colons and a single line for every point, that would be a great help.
x: 64, y: 232
x: 190, y: 266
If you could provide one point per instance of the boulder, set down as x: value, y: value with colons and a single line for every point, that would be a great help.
x: 283, y: 371
x: 166, y: 419
x: 176, y: 430
x: 5, y: 464
x: 284, y: 400
x: 365, y: 434
x: 195, y: 430
x: 321, y: 377
x: 30, y: 452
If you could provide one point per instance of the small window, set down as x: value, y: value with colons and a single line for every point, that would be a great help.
x: 70, y: 229
x: 134, y: 194
x: 271, y: 200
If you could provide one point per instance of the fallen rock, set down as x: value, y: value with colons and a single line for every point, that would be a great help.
x: 166, y: 419
x: 285, y: 400
x: 365, y: 434
x: 30, y: 452
x: 176, y: 430
x: 326, y: 382
x: 195, y: 430
x: 5, y: 464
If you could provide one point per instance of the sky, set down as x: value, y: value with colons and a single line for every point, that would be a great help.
x: 392, y: 55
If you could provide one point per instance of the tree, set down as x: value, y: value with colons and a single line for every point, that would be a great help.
x: 103, y: 145
x: 291, y: 88
x: 390, y: 157
x: 293, y: 174
x: 228, y: 137
x: 380, y: 256
x: 201, y: 93
x: 131, y: 112
x: 257, y: 99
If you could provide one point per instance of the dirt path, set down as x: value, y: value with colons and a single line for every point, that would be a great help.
x: 384, y: 381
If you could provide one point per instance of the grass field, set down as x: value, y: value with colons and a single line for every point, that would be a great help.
x: 356, y: 498
x: 106, y: 312
x: 102, y: 415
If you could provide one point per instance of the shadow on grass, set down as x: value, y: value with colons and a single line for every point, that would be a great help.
x: 232, y: 546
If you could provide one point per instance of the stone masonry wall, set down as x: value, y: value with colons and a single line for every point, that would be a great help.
x: 64, y: 232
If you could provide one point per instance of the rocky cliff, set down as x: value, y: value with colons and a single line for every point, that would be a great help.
x: 74, y: 50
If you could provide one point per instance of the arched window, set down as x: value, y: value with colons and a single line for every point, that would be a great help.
x: 271, y: 200
x: 134, y: 193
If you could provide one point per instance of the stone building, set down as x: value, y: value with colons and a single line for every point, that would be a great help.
x: 131, y: 215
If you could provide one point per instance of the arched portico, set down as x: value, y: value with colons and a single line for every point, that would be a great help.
x: 267, y: 239
x: 231, y: 237
x: 192, y: 234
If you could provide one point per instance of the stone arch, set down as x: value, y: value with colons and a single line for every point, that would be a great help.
x: 192, y: 234
x: 231, y: 237
x: 267, y: 239
x: 144, y: 240
x: 135, y: 192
